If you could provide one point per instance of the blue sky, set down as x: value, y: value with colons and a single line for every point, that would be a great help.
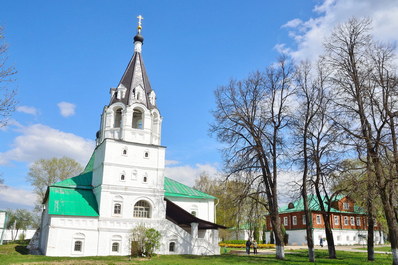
x: 68, y: 55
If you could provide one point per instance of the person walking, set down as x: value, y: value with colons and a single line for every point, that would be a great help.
x: 321, y: 242
x: 254, y: 247
x: 248, y: 244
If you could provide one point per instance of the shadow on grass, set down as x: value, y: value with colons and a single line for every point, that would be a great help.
x: 22, y: 250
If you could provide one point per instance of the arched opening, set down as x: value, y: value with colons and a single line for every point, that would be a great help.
x: 78, y: 246
x: 142, y: 209
x: 117, y: 118
x: 137, y: 119
x: 172, y: 246
x: 115, y: 247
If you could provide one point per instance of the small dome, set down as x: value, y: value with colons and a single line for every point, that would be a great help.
x: 139, y: 38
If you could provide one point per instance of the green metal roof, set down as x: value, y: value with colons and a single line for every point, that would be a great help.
x: 177, y: 189
x: 83, y: 181
x: 72, y: 201
x: 313, y: 204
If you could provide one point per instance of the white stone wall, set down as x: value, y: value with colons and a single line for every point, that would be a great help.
x: 341, y: 237
x: 9, y: 234
x: 98, y: 234
x: 204, y: 207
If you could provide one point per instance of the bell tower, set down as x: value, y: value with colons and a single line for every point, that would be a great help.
x: 129, y: 160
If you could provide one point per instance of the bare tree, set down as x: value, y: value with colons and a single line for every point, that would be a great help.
x: 7, y: 95
x: 319, y: 149
x: 306, y: 96
x: 250, y: 117
x: 366, y: 108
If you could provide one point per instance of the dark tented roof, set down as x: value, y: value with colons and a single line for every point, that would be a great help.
x: 179, y: 216
x: 128, y: 77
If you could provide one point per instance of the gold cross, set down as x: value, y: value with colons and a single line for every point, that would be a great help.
x: 140, y: 18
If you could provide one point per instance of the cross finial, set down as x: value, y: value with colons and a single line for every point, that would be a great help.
x: 140, y: 18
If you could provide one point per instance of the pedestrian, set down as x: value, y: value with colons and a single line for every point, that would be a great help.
x: 321, y: 242
x: 248, y: 244
x: 254, y: 247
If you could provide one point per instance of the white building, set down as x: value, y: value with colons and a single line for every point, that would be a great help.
x: 123, y: 185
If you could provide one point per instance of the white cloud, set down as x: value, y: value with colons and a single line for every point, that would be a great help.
x: 309, y: 35
x: 293, y: 23
x: 11, y: 196
x: 40, y: 141
x: 67, y: 109
x: 27, y: 110
x: 187, y: 174
x: 172, y: 162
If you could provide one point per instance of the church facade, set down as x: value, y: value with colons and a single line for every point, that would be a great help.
x: 123, y: 185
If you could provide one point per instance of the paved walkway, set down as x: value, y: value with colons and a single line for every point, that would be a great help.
x: 287, y: 248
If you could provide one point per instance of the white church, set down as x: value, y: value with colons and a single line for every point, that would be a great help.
x: 123, y: 185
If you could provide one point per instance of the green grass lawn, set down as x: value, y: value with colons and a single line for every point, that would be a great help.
x: 385, y: 249
x: 17, y: 254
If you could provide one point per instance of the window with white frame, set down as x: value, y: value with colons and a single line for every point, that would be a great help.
x: 116, y: 243
x: 358, y: 221
x: 348, y: 238
x: 78, y: 243
x: 142, y: 209
x: 304, y: 220
x: 294, y: 220
x: 285, y: 221
x: 346, y: 206
x: 124, y: 151
x: 115, y: 247
x: 352, y: 220
x: 345, y: 220
x: 318, y: 219
x: 146, y: 154
x: 123, y: 176
x: 117, y: 205
x: 117, y: 208
x: 78, y: 246
x: 336, y: 220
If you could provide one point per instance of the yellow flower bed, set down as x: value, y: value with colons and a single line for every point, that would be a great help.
x: 244, y: 246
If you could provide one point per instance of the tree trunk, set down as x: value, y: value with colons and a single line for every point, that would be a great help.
x: 329, y: 237
x: 371, y: 251
x: 370, y: 241
x: 308, y: 221
x: 392, y: 225
x: 276, y: 227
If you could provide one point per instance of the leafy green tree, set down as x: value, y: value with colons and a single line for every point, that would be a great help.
x: 152, y: 241
x: 45, y: 172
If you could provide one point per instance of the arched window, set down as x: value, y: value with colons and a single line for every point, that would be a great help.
x: 117, y: 208
x: 118, y: 118
x: 115, y: 247
x: 193, y: 213
x: 137, y: 119
x: 142, y: 209
x: 122, y: 177
x: 78, y: 246
x: 172, y: 246
x: 78, y: 243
